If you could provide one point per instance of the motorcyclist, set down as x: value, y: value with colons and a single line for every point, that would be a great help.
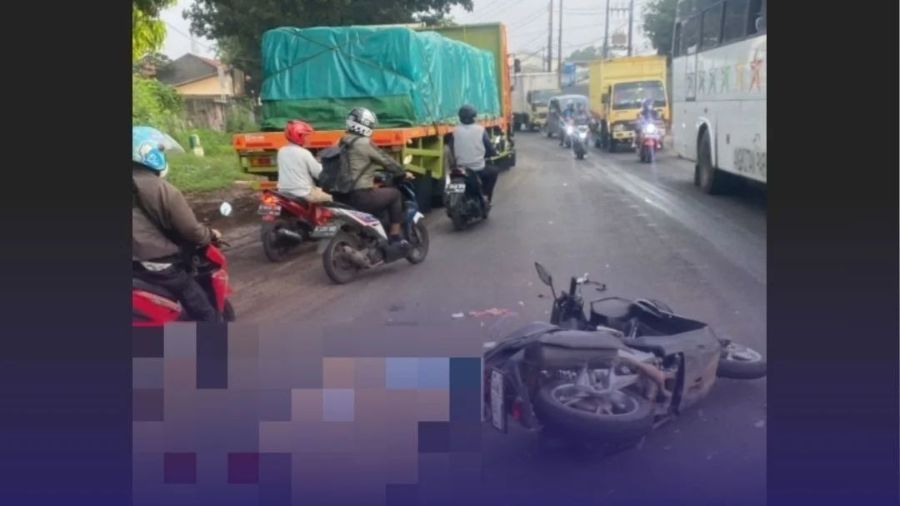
x: 568, y: 116
x: 471, y: 146
x: 364, y: 157
x: 297, y: 167
x: 647, y: 115
x: 164, y: 230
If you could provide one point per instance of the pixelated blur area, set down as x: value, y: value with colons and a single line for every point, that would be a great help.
x: 274, y: 415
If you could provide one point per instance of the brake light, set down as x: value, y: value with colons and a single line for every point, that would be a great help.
x: 269, y: 199
x: 323, y: 215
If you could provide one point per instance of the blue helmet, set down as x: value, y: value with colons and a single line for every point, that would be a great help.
x: 148, y: 147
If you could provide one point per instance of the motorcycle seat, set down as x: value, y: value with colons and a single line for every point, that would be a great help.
x: 139, y: 284
x: 574, y: 348
x: 286, y: 196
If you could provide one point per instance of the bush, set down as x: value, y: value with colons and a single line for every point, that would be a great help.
x: 155, y: 104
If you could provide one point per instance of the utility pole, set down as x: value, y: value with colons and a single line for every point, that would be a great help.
x: 550, y: 40
x: 559, y: 43
x: 630, y: 23
x: 606, y: 33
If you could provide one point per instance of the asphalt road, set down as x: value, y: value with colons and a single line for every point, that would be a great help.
x: 644, y: 230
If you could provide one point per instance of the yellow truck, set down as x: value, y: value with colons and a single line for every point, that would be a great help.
x: 617, y: 89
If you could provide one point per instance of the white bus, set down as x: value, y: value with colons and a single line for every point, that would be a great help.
x: 719, y: 90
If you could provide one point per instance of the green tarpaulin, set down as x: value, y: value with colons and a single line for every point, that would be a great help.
x: 406, y: 77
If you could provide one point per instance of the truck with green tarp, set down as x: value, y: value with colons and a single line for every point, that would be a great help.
x: 414, y: 80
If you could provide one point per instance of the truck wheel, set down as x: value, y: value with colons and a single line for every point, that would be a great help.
x: 710, y: 179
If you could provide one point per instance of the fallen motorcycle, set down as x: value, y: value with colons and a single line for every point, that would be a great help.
x: 610, y: 376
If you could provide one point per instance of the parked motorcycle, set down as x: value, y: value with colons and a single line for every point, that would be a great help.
x: 154, y: 306
x: 463, y: 202
x: 288, y: 222
x: 610, y: 376
x: 358, y: 240
x: 649, y: 141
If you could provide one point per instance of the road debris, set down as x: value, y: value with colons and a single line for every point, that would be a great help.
x: 457, y: 316
x: 494, y: 311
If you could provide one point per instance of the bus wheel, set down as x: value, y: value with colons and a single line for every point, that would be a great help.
x: 710, y: 179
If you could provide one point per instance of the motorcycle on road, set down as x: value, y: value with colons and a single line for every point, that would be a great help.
x: 648, y: 141
x: 611, y: 376
x: 359, y: 242
x: 463, y: 202
x: 154, y: 306
x: 288, y: 222
x: 579, y: 140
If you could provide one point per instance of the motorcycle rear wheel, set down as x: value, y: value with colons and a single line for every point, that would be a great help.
x: 276, y: 248
x: 340, y: 269
x: 631, y: 420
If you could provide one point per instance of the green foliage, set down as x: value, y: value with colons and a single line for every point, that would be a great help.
x: 147, y: 32
x: 191, y: 173
x: 659, y: 24
x: 238, y: 25
x: 586, y: 54
x: 155, y: 104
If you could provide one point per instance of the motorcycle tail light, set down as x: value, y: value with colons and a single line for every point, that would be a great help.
x: 269, y: 199
x: 517, y: 409
x: 323, y: 215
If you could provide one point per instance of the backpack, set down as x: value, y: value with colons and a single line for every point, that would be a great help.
x: 336, y: 176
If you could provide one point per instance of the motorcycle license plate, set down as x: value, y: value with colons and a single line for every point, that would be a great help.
x: 324, y: 231
x: 497, y: 405
x: 456, y: 188
x: 269, y: 210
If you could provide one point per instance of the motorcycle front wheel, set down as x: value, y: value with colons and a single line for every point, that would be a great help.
x: 620, y: 416
x: 338, y: 267
x: 740, y: 362
x: 419, y: 241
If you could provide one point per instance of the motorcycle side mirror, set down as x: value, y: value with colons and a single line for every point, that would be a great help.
x: 545, y: 276
x: 225, y: 209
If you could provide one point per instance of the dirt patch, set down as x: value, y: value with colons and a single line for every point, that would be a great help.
x: 242, y: 197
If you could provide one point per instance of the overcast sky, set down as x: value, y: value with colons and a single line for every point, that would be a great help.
x: 525, y: 20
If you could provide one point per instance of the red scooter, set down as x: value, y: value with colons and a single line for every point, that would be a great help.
x: 288, y: 222
x: 154, y: 306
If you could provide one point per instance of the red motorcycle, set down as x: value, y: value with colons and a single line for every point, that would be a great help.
x: 288, y: 222
x: 154, y: 306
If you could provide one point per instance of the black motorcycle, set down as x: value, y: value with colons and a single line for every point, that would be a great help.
x: 610, y: 376
x: 463, y: 198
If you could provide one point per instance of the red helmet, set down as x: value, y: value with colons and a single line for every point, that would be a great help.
x: 296, y: 131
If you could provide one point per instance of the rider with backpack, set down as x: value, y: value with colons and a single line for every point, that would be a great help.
x: 358, y: 161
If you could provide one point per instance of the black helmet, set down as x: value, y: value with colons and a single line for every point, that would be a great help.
x: 361, y: 121
x: 467, y: 114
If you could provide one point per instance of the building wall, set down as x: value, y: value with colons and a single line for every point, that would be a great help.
x: 207, y: 87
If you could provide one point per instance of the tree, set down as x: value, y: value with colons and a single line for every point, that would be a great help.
x: 238, y: 25
x: 584, y: 54
x: 148, y: 32
x: 659, y: 24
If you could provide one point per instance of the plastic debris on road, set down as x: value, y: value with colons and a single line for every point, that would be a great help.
x: 494, y: 311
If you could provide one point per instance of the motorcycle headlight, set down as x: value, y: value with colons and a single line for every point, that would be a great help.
x: 650, y: 129
x: 569, y: 130
x: 582, y: 134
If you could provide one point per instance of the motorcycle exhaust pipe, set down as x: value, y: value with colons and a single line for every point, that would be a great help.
x: 357, y: 258
x: 284, y: 233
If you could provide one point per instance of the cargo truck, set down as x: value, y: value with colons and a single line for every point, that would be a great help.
x: 526, y: 95
x: 618, y: 87
x: 410, y: 78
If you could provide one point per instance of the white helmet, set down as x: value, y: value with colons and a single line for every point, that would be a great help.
x: 361, y: 121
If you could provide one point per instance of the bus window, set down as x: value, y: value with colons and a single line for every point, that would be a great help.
x: 756, y: 22
x: 676, y: 40
x: 712, y: 27
x: 735, y: 24
x: 691, y: 36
